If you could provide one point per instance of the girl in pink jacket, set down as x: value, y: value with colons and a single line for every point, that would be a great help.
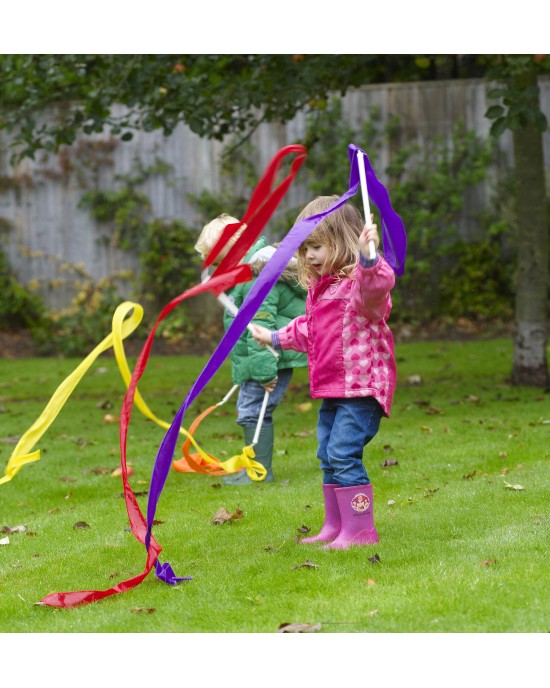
x: 350, y: 358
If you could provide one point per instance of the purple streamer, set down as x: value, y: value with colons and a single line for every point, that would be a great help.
x: 394, y: 238
x: 395, y: 245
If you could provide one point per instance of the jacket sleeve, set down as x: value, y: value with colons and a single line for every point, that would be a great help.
x: 295, y: 335
x: 371, y: 290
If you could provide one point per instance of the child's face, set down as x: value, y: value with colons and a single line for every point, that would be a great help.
x: 316, y: 256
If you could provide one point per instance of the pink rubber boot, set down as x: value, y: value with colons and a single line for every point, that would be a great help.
x: 331, y: 526
x: 355, y: 504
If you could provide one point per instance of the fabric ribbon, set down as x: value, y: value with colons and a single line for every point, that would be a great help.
x: 125, y: 325
x: 262, y: 205
x: 394, y: 238
x: 229, y: 273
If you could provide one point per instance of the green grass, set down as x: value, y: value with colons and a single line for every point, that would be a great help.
x: 460, y: 552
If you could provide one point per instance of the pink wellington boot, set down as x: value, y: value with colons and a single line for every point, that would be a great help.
x: 355, y: 504
x: 331, y: 526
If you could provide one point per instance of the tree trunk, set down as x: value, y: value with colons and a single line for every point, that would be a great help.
x: 530, y: 366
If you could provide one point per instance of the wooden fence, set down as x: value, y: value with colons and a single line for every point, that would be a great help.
x: 49, y: 231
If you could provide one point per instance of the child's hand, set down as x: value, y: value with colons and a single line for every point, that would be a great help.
x: 261, y: 334
x: 369, y: 233
x: 270, y: 386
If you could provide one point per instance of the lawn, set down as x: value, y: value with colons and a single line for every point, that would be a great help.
x: 461, y: 477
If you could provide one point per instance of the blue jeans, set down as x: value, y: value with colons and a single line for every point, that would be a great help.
x: 344, y: 428
x: 251, y: 396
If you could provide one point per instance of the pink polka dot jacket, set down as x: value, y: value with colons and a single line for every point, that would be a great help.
x: 346, y: 337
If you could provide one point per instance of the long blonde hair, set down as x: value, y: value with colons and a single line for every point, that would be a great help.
x: 339, y: 232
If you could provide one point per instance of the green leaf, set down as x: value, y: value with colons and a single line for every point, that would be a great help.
x: 494, y: 112
x: 499, y: 126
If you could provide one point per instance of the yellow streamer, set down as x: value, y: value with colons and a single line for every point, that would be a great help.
x: 123, y: 325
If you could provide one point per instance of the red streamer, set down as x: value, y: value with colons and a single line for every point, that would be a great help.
x: 229, y: 273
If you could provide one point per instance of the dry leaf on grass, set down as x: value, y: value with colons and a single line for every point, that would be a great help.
x: 304, y: 407
x: 13, y: 529
x: 488, y: 562
x: 118, y: 471
x: 81, y: 524
x: 389, y: 462
x: 5, y: 541
x: 306, y: 565
x: 139, y: 610
x: 513, y: 487
x: 299, y: 628
x: 223, y: 516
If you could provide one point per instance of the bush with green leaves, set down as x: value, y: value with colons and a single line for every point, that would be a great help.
x: 19, y: 308
x: 445, y: 277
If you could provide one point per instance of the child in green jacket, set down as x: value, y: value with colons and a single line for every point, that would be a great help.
x: 254, y: 368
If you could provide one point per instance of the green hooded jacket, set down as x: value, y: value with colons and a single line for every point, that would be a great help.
x: 285, y: 301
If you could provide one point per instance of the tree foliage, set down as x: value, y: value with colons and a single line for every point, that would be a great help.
x: 215, y: 95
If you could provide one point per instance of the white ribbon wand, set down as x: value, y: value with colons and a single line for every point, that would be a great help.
x: 365, y: 194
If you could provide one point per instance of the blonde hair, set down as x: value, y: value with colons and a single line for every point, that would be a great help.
x: 339, y: 232
x: 212, y: 231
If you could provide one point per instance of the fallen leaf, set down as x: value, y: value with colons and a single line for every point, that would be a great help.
x: 391, y: 502
x: 223, y: 516
x: 13, y: 529
x: 390, y: 462
x: 12, y: 439
x: 118, y: 471
x: 513, y: 487
x: 370, y: 582
x: 138, y: 610
x: 414, y: 379
x: 373, y: 612
x: 375, y: 559
x: 5, y: 541
x: 303, y: 529
x: 307, y: 565
x: 299, y: 628
x: 100, y: 470
x: 488, y: 562
x: 18, y: 529
x: 110, y: 418
x: 305, y: 407
x: 430, y: 491
x: 81, y: 524
x: 426, y: 429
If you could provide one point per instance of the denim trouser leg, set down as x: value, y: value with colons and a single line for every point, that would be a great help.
x: 344, y: 427
x: 251, y: 396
